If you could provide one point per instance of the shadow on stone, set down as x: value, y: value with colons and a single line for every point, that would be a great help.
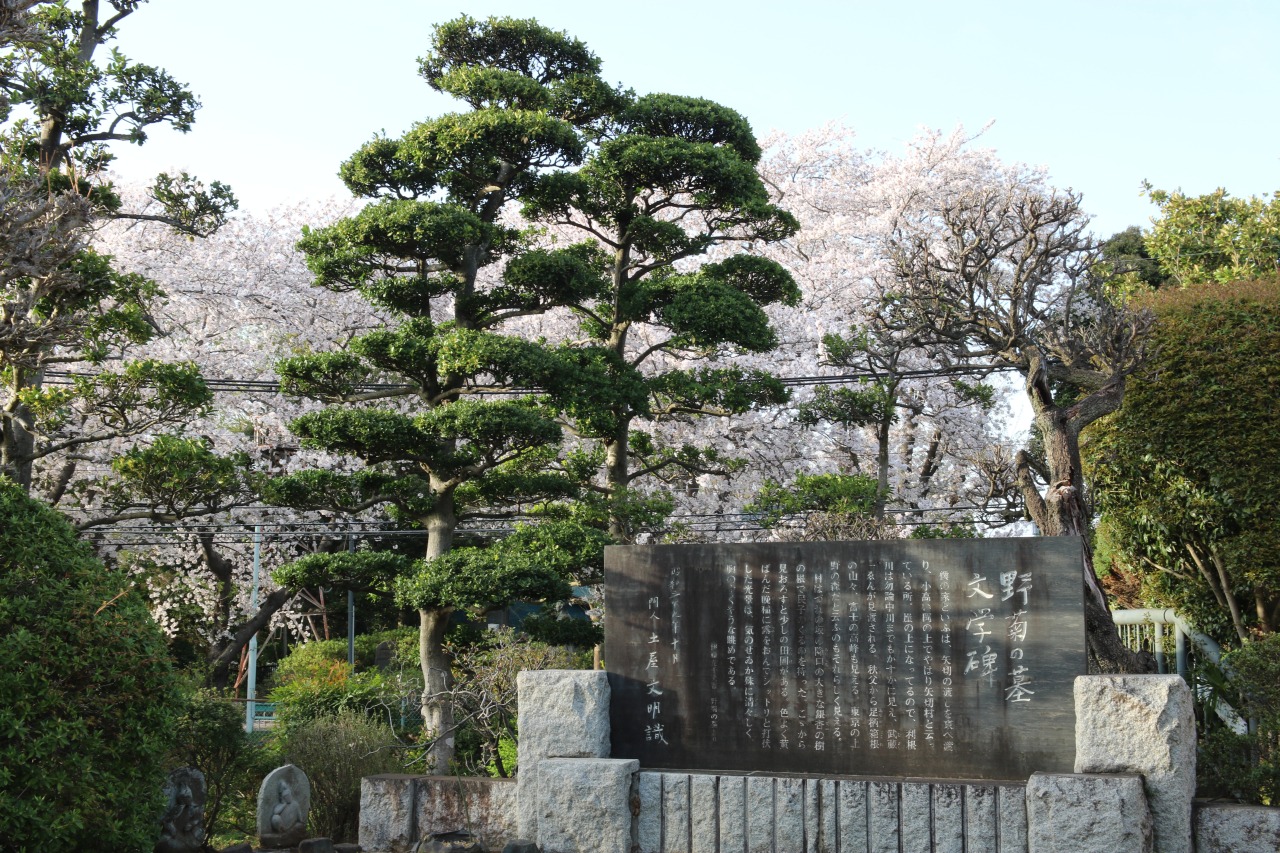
x: 457, y: 841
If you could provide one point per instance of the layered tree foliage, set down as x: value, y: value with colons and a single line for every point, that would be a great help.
x: 1186, y: 472
x: 440, y: 405
x: 66, y: 307
x: 671, y: 179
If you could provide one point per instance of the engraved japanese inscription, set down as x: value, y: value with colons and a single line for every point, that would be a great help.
x: 938, y: 658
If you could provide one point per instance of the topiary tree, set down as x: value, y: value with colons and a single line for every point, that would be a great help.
x: 672, y: 180
x: 90, y: 697
x: 444, y: 438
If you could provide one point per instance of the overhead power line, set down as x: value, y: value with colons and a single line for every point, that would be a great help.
x: 265, y: 386
x: 238, y: 532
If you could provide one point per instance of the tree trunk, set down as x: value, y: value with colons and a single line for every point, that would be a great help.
x: 1063, y: 511
x: 221, y: 658
x: 437, y: 670
x: 617, y: 471
x: 17, y: 442
x: 882, y: 464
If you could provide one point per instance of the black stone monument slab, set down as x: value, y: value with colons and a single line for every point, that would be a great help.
x: 932, y: 658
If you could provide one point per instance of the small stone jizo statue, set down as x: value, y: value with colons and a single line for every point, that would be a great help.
x: 283, y: 804
x: 182, y: 827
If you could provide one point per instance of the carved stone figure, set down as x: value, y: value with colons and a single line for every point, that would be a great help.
x: 283, y: 804
x: 182, y: 827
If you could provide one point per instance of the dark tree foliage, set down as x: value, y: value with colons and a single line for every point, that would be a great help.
x: 1124, y: 255
x: 671, y: 179
x: 1187, y: 471
x: 90, y: 698
x: 62, y: 105
x: 450, y: 441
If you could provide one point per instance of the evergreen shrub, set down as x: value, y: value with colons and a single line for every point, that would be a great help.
x: 336, y: 752
x: 89, y: 694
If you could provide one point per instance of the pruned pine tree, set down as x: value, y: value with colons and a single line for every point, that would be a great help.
x: 672, y: 179
x: 457, y: 428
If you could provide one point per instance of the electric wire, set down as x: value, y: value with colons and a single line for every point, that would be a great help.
x: 266, y: 386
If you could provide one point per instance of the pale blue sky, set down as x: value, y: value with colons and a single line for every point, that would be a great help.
x: 1105, y: 94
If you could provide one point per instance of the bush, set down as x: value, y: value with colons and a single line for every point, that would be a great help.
x: 1247, y: 767
x: 210, y: 735
x: 485, y: 698
x: 90, y: 697
x: 315, y: 680
x: 336, y: 752
x: 305, y: 656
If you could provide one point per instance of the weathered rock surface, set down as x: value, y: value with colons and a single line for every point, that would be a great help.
x: 648, y: 823
x: 980, y: 819
x: 563, y: 714
x: 521, y: 846
x: 1077, y: 813
x: 1142, y: 724
x: 316, y: 845
x: 703, y: 825
x: 386, y: 813
x: 1237, y: 829
x: 675, y: 813
x: 882, y: 817
x: 486, y: 807
x: 583, y: 805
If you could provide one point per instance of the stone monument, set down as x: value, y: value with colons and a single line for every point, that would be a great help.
x: 182, y: 827
x: 283, y: 804
x: 946, y: 659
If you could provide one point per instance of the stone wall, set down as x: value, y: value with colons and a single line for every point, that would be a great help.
x: 1229, y: 828
x: 1131, y: 791
x: 397, y: 811
x: 691, y: 813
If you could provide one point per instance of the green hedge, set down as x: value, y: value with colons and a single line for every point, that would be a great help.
x: 89, y: 695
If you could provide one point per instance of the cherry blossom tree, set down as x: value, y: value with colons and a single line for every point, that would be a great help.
x: 991, y: 268
x: 170, y: 505
x: 930, y: 442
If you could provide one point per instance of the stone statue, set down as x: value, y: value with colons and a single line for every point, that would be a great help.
x: 283, y: 804
x: 286, y: 816
x: 182, y: 827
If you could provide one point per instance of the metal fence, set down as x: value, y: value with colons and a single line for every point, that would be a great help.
x: 1168, y: 636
